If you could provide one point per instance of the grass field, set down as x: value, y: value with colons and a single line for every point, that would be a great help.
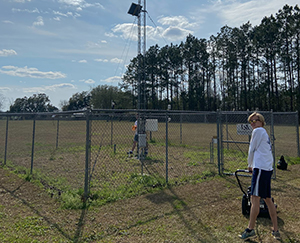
x: 206, y: 211
x: 60, y: 155
x: 130, y: 200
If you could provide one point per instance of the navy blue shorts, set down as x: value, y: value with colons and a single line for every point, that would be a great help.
x: 261, y: 183
x: 136, y: 138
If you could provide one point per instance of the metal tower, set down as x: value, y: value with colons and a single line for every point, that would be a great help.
x: 140, y: 12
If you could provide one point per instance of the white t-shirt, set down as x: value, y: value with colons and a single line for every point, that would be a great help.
x: 260, y: 150
x: 135, y: 124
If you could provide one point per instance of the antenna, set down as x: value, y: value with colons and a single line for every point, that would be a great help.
x: 136, y: 10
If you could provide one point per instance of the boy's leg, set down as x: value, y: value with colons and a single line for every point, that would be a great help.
x: 250, y: 232
x: 272, y: 212
x: 133, y: 146
x: 254, y: 211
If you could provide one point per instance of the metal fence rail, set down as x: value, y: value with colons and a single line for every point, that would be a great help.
x: 235, y: 134
x: 87, y: 150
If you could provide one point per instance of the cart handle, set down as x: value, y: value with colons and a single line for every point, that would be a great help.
x: 238, y: 180
x: 240, y: 170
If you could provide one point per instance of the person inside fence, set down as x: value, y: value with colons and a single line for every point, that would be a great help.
x: 136, y: 138
x: 260, y: 164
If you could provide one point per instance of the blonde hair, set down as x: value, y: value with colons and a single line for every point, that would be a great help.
x: 260, y: 117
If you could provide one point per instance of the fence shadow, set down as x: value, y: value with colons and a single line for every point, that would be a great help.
x: 78, y: 233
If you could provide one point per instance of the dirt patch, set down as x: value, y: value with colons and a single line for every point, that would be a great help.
x: 209, y: 211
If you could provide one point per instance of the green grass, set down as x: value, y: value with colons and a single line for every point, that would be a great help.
x: 206, y: 211
x: 117, y: 178
x: 291, y: 160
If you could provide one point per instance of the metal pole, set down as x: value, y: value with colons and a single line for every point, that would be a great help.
x: 180, y: 128
x: 297, y: 132
x: 6, y: 139
x: 167, y: 161
x: 32, y: 146
x: 57, y: 133
x: 227, y: 131
x: 273, y: 142
x: 111, y: 130
x: 144, y: 54
x: 87, y: 154
x: 139, y: 129
x: 218, y: 141
x: 144, y: 42
x: 221, y: 144
x: 139, y: 58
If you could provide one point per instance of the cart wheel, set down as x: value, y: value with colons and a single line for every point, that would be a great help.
x: 245, y: 207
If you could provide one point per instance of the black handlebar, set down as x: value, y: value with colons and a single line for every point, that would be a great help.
x: 237, y: 178
x: 240, y: 170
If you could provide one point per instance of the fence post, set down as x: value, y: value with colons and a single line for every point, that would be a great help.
x: 6, y: 139
x: 180, y: 128
x: 167, y: 176
x: 87, y: 154
x: 297, y: 132
x: 32, y: 145
x: 227, y: 133
x: 111, y: 129
x: 273, y: 143
x: 57, y: 133
x: 218, y: 141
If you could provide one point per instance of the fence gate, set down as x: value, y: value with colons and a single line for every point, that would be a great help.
x: 234, y: 133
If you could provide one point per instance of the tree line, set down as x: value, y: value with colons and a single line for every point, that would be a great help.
x: 241, y: 68
x: 238, y: 69
x: 100, y: 97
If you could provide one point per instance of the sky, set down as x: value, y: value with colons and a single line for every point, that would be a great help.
x: 62, y: 47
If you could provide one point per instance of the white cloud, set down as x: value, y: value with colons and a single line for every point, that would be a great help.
x: 178, y: 27
x: 100, y: 60
x: 72, y: 2
x: 7, y: 22
x: 116, y: 60
x: 21, y: 1
x: 39, y: 21
x: 44, y: 89
x: 174, y: 28
x: 34, y: 90
x: 82, y: 61
x: 115, y: 80
x: 61, y: 86
x: 30, y: 72
x: 235, y: 13
x: 5, y: 53
x: 67, y: 14
x: 96, y: 45
x: 178, y: 21
x: 80, y: 4
x: 89, y: 81
x: 4, y: 89
x: 176, y: 33
x: 110, y: 35
x: 14, y: 10
x: 128, y: 31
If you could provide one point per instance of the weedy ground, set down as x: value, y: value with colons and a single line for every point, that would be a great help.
x: 207, y: 211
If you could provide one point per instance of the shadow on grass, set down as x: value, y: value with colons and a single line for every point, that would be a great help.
x: 181, y: 209
x: 80, y: 224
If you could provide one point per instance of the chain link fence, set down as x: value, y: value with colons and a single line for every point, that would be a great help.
x: 235, y: 134
x: 174, y: 150
x: 87, y: 151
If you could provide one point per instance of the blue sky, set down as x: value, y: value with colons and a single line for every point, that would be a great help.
x: 61, y: 47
